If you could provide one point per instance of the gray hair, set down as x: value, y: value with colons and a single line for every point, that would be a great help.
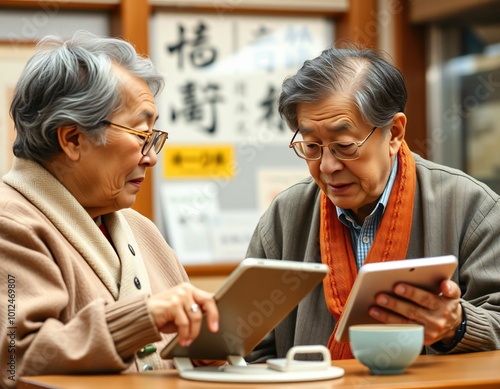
x: 72, y: 83
x: 376, y: 87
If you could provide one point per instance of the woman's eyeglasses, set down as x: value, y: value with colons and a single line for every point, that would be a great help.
x: 155, y: 139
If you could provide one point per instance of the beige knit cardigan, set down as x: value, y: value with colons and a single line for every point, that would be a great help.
x: 76, y: 305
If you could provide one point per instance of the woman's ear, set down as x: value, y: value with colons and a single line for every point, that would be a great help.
x: 398, y: 130
x: 70, y: 140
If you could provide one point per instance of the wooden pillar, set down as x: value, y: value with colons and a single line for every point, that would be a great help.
x: 359, y: 24
x: 410, y: 58
x: 131, y: 21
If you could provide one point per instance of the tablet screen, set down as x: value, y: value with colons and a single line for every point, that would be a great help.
x: 254, y: 299
x: 373, y: 278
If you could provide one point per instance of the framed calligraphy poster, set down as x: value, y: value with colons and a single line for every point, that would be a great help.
x: 223, y: 79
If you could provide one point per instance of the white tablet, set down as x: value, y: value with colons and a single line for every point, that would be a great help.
x: 373, y: 278
x: 257, y: 295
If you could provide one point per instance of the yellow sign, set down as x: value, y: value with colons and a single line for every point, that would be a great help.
x: 187, y: 161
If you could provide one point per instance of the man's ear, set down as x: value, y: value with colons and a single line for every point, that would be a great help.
x: 398, y: 131
x: 70, y: 140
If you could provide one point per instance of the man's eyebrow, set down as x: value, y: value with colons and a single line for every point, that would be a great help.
x: 303, y: 130
x: 339, y: 127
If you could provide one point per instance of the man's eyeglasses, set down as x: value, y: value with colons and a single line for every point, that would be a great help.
x: 155, y: 139
x: 313, y: 151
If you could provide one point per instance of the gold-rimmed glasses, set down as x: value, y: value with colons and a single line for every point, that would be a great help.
x: 154, y: 139
x: 313, y: 151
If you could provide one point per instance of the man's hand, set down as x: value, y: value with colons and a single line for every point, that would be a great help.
x: 439, y: 314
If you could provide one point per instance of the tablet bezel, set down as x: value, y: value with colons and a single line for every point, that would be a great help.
x: 266, y: 289
x: 374, y: 278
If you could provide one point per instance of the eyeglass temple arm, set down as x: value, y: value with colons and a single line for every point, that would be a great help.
x: 293, y: 138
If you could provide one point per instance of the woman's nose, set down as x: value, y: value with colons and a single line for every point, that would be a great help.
x: 150, y: 158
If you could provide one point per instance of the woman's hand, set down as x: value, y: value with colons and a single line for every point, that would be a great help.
x: 180, y: 309
x: 439, y: 314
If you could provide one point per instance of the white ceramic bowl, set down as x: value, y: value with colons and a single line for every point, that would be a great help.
x: 386, y: 348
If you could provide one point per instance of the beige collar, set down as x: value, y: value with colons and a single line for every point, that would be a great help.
x: 114, y: 268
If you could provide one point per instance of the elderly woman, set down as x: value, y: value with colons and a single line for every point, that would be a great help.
x: 370, y: 199
x: 92, y: 285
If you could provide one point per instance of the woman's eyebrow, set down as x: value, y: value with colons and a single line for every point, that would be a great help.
x: 149, y: 115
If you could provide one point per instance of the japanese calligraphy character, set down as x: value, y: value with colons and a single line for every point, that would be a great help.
x: 200, y: 104
x: 201, y: 55
x: 269, y: 106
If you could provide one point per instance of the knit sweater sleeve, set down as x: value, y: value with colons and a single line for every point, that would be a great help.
x: 131, y: 325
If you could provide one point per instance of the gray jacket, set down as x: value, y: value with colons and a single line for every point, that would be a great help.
x: 453, y: 214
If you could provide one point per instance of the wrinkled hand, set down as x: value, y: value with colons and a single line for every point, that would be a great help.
x: 172, y: 312
x: 439, y: 314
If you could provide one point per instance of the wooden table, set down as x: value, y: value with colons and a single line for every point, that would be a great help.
x: 475, y: 370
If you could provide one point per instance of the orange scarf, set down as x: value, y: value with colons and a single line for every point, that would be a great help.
x: 390, y: 243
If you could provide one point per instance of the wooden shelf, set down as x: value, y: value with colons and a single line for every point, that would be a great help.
x: 210, y: 270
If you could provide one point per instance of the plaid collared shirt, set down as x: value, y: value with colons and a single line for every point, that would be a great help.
x: 362, y: 236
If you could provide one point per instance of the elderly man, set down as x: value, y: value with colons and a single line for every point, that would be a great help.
x: 370, y: 199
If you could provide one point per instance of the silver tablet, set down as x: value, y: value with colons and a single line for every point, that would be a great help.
x: 257, y: 295
x: 373, y: 278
